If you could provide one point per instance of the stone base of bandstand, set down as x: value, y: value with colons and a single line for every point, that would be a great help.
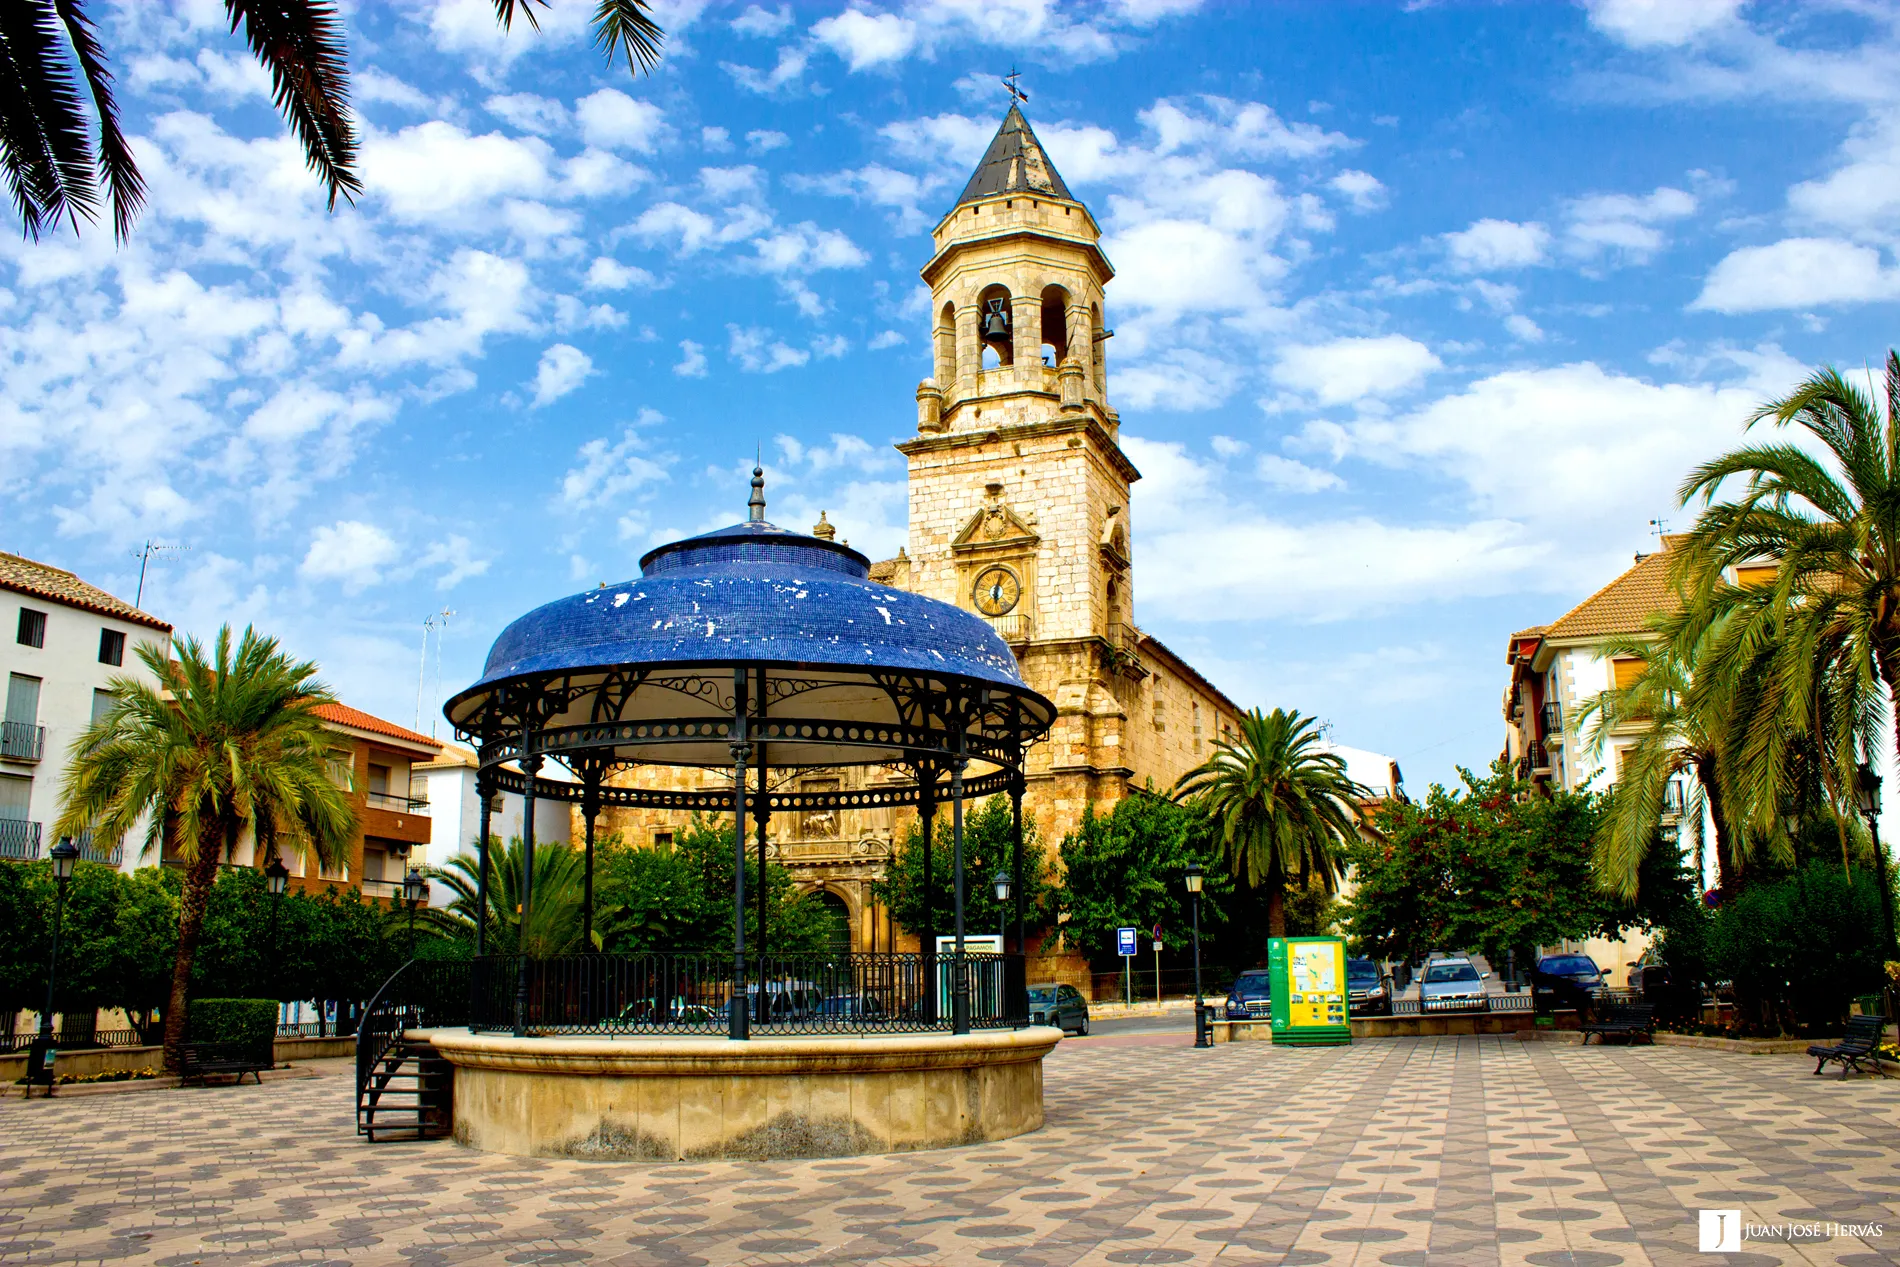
x: 678, y: 1099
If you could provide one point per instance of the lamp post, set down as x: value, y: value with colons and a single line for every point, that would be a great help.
x: 1001, y: 882
x: 1867, y: 785
x: 40, y: 1063
x: 276, y: 880
x: 415, y: 890
x: 1195, y: 877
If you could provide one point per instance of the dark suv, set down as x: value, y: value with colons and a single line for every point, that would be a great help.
x: 1251, y: 996
x: 1367, y: 990
x: 1564, y: 981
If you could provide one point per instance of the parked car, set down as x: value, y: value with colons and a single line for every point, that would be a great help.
x: 854, y: 1005
x: 1059, y: 1005
x: 1251, y: 996
x: 1452, y: 985
x: 1368, y: 993
x: 1564, y: 981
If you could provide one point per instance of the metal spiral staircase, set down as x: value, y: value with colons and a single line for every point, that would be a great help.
x: 404, y: 1090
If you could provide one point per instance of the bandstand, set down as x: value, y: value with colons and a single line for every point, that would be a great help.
x: 743, y: 651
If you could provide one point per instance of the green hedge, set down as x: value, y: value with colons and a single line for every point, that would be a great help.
x: 252, y: 1022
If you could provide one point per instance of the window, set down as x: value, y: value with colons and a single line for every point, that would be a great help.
x: 16, y: 794
x: 1749, y: 575
x: 111, y: 647
x: 32, y: 628
x: 663, y: 839
x: 102, y: 701
x: 1627, y: 669
x: 379, y: 779
x: 341, y: 770
x: 23, y: 700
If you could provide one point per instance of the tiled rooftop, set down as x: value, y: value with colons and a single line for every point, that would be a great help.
x: 25, y: 576
x: 356, y: 718
x: 1625, y: 605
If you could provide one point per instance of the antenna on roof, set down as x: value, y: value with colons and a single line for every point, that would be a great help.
x: 435, y: 621
x: 1010, y: 81
x: 144, y: 556
x: 1659, y: 526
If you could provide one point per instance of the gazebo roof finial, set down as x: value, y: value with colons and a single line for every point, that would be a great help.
x: 755, y: 505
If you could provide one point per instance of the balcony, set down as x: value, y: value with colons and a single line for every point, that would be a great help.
x: 22, y: 740
x: 1538, y: 758
x: 1124, y: 650
x: 111, y: 855
x: 1553, y: 717
x: 1672, y: 799
x: 19, y: 839
x: 396, y: 804
x: 382, y: 888
x: 1015, y: 627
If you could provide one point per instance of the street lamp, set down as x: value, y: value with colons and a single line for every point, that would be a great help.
x: 1867, y: 786
x: 1195, y: 877
x: 277, y: 877
x: 1001, y: 883
x: 415, y: 891
x: 40, y: 1063
x: 276, y: 881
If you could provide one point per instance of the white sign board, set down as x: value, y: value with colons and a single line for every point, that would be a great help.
x: 1125, y: 941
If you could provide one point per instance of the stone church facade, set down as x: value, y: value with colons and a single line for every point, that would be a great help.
x: 1019, y: 511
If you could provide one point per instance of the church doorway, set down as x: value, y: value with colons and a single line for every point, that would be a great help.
x: 837, y: 922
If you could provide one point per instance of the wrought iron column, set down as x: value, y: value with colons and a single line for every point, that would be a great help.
x: 1016, y: 858
x: 485, y: 797
x: 738, y: 1012
x: 927, y: 947
x: 590, y: 810
x: 761, y: 811
x: 530, y: 767
x: 959, y: 974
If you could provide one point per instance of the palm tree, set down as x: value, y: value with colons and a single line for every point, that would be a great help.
x: 1281, y: 804
x: 1683, y: 721
x: 223, y: 745
x: 1815, y: 651
x: 51, y: 62
x: 554, y: 926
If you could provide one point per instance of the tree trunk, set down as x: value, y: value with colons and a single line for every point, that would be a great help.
x: 200, y: 874
x: 1276, y: 907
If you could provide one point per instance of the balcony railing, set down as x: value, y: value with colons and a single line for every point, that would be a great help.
x: 111, y: 855
x: 22, y: 740
x: 382, y: 888
x: 1672, y: 798
x: 400, y: 804
x: 1538, y: 758
x: 19, y: 839
x: 1015, y: 627
x: 1553, y: 718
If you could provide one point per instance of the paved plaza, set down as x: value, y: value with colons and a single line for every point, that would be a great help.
x: 1400, y: 1151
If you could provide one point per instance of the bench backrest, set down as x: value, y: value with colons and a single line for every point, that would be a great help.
x: 1864, y: 1032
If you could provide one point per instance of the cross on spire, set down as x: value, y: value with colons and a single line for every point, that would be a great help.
x: 1010, y: 81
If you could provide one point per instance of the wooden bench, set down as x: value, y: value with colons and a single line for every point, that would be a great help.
x: 1856, y: 1049
x: 197, y: 1060
x: 1625, y: 1020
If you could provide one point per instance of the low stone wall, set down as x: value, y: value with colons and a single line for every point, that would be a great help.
x: 675, y: 1099
x: 1364, y: 1027
x: 78, y: 1064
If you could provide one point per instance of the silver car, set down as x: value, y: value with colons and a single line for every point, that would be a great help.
x: 1059, y: 1005
x: 1452, y: 985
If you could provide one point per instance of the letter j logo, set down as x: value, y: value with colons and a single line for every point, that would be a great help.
x: 1721, y: 1231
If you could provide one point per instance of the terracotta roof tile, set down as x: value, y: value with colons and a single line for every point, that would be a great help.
x: 356, y: 718
x: 24, y: 576
x: 1625, y: 605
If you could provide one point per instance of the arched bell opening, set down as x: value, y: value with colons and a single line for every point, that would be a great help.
x: 946, y: 346
x: 995, y: 327
x: 1055, y: 326
x: 1098, y: 374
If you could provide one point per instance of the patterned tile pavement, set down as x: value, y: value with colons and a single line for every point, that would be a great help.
x: 1402, y: 1152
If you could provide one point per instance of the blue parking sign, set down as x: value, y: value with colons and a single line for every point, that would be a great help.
x: 1125, y: 940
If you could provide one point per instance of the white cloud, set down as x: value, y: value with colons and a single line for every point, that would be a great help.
x: 1863, y: 193
x: 865, y: 39
x: 350, y: 552
x: 715, y: 140
x: 886, y: 339
x: 563, y: 367
x: 606, y: 273
x: 757, y: 352
x: 1624, y: 224
x: 456, y: 557
x: 806, y: 248
x: 692, y: 362
x: 1797, y: 273
x: 435, y: 169
x: 1361, y: 189
x: 529, y: 112
x: 610, y: 119
x: 764, y: 142
x: 1490, y: 245
x: 605, y: 473
x: 788, y: 70
x: 1295, y: 477
x: 1653, y: 23
x: 761, y: 24
x: 1351, y: 369
x: 1523, y: 329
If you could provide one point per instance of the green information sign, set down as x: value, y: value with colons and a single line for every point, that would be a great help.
x: 1309, y: 991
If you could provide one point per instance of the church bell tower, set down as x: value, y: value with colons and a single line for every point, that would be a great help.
x: 1018, y: 484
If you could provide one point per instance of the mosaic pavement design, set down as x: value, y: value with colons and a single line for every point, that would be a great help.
x: 1407, y: 1152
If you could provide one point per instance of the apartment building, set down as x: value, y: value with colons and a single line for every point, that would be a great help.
x: 448, y: 785
x: 62, y: 641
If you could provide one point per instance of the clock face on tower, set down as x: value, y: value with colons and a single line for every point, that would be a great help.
x: 997, y: 590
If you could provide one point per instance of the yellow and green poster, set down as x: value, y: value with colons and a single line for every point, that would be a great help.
x: 1309, y: 991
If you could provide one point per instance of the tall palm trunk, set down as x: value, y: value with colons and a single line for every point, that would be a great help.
x: 200, y: 874
x: 1276, y: 907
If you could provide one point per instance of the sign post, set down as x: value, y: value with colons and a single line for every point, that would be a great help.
x: 1157, y: 965
x: 1125, y: 947
x: 1309, y: 991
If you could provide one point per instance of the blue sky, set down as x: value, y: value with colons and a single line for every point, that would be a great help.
x: 1422, y: 312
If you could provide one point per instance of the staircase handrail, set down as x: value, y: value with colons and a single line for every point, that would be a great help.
x: 394, y: 1009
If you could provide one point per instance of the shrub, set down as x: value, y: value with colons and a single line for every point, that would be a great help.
x: 249, y: 1022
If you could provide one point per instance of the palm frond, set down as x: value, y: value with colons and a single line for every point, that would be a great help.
x: 300, y: 42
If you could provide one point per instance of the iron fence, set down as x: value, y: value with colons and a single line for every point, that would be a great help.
x: 669, y: 993
x: 1519, y: 1001
x: 19, y: 839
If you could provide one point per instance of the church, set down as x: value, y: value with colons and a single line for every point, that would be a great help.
x: 1019, y: 512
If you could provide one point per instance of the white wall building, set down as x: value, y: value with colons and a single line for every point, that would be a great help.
x: 61, y: 642
x: 455, y: 814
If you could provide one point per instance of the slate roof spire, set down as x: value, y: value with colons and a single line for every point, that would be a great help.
x: 755, y: 504
x: 1014, y: 164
